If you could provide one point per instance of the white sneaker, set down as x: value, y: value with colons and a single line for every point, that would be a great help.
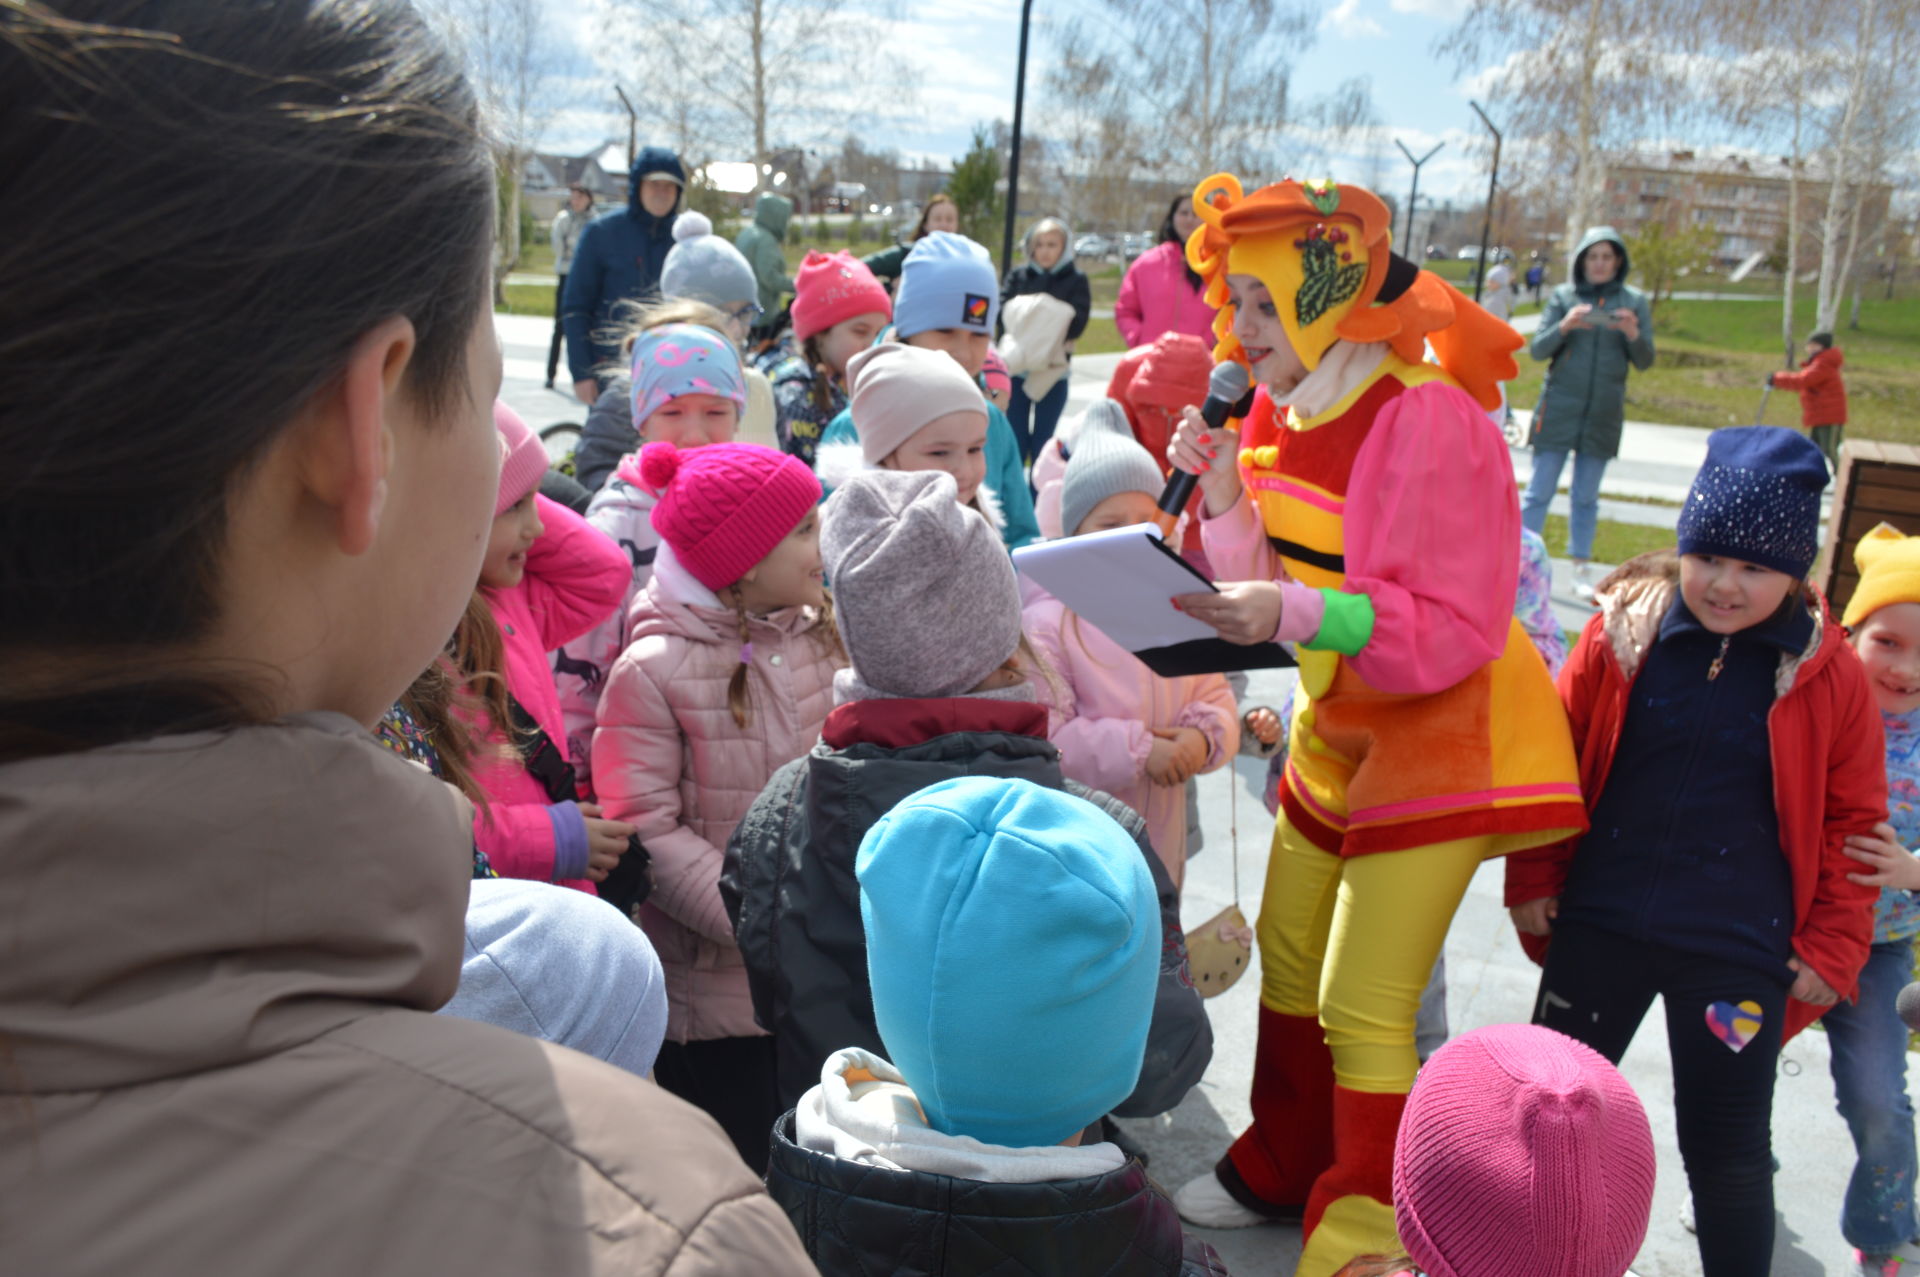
x: 1686, y: 1213
x: 1203, y: 1201
x: 1583, y: 582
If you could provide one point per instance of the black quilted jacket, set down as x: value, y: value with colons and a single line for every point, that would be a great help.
x: 862, y: 1221
x: 790, y: 890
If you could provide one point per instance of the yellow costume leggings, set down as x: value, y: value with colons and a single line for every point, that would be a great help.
x: 1353, y: 941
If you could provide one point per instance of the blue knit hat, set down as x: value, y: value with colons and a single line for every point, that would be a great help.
x: 1013, y: 944
x: 1757, y: 498
x: 947, y: 281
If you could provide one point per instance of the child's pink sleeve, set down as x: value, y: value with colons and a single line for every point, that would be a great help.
x: 1213, y: 712
x: 575, y: 576
x: 1101, y: 752
x: 543, y: 842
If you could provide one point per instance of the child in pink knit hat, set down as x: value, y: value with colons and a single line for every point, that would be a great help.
x: 547, y: 577
x: 727, y: 675
x: 839, y: 308
x: 1521, y: 1152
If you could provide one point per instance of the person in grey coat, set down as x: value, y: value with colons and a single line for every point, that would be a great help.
x: 1593, y: 329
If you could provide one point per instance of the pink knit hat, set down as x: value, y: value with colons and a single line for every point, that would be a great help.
x: 1522, y: 1151
x: 994, y: 373
x: 724, y: 507
x: 523, y: 458
x: 829, y: 288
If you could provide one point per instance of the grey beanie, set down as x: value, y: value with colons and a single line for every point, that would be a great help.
x: 1101, y: 416
x: 1104, y: 465
x: 704, y: 267
x: 922, y: 587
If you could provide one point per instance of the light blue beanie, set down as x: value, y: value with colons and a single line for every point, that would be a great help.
x: 1013, y: 945
x: 947, y: 281
x: 557, y: 964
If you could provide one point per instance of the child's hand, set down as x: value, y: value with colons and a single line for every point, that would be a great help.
x: 606, y: 842
x: 1176, y: 754
x: 1263, y: 723
x: 1888, y: 863
x: 1809, y: 987
x: 1535, y: 917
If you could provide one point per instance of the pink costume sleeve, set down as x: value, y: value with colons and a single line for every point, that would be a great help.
x: 575, y: 575
x: 1237, y: 545
x: 1432, y: 518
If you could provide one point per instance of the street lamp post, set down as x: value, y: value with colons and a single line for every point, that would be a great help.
x: 1013, y: 156
x: 1414, y: 193
x: 1493, y: 183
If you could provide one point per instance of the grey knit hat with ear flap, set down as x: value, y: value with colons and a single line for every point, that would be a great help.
x: 704, y: 267
x: 1104, y: 465
x: 923, y: 591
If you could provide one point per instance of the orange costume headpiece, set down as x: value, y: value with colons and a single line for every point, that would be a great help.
x: 1324, y: 252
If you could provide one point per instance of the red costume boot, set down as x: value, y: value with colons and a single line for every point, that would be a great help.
x: 1350, y: 1211
x: 1276, y: 1161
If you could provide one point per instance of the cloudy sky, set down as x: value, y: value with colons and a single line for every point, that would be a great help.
x: 967, y: 50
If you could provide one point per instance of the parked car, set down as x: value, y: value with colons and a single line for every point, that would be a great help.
x: 1093, y: 247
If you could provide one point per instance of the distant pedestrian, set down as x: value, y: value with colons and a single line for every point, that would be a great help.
x: 1049, y: 272
x: 1594, y: 328
x: 940, y: 214
x: 1536, y: 276
x: 1823, y: 395
x: 619, y: 258
x: 567, y: 225
x: 1162, y: 293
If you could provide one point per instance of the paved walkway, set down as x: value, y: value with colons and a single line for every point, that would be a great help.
x: 1489, y: 980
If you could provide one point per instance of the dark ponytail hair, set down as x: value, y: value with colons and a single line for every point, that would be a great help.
x: 1168, y: 235
x: 206, y: 205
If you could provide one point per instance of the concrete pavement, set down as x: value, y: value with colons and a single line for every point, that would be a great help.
x: 1489, y: 979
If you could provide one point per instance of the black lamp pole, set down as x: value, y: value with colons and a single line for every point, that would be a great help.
x: 1414, y: 192
x: 1493, y: 183
x: 1013, y: 156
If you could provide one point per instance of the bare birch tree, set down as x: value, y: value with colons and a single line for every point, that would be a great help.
x: 734, y: 78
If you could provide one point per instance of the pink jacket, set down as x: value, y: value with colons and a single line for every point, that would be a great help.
x: 1156, y: 298
x: 668, y: 756
x: 575, y: 576
x: 1103, y: 734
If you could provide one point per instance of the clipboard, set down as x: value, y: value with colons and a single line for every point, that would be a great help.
x: 1122, y: 582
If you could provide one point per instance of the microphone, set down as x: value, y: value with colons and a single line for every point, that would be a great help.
x: 1908, y: 1006
x: 1229, y: 394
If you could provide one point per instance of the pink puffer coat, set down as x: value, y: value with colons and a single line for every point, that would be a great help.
x: 574, y: 578
x: 1104, y: 732
x: 668, y: 756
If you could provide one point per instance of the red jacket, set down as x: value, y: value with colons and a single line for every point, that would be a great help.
x: 1823, y: 395
x: 1829, y: 767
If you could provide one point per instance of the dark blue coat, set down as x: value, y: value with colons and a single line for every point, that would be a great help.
x: 619, y: 258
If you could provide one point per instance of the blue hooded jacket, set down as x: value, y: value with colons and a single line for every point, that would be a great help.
x: 619, y: 258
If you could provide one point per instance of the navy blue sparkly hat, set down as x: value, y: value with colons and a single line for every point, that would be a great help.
x: 1757, y: 498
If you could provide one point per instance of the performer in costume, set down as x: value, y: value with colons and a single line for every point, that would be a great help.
x: 1371, y: 519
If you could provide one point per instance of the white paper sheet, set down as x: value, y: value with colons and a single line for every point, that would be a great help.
x: 1121, y: 582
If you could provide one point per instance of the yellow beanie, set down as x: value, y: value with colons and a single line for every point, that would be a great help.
x: 1889, y: 564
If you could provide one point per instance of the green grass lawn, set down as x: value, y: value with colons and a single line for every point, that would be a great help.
x: 1612, y: 542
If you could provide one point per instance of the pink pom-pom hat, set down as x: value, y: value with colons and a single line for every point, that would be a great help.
x: 724, y: 507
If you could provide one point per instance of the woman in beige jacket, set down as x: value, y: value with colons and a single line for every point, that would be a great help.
x: 227, y: 914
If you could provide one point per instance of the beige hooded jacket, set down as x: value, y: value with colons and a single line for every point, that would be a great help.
x: 218, y: 958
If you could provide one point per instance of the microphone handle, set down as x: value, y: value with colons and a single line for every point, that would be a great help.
x: 1216, y: 412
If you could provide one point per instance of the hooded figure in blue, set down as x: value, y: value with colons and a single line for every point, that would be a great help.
x: 619, y: 258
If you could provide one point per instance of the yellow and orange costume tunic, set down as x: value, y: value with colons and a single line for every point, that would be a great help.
x: 1427, y: 735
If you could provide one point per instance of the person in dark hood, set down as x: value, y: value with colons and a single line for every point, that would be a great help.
x: 619, y: 258
x: 1593, y: 328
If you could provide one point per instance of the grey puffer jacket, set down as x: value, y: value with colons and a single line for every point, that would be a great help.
x: 790, y: 889
x: 856, y: 1219
x: 1584, y: 401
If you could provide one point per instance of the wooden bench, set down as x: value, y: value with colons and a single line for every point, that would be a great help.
x: 1878, y: 483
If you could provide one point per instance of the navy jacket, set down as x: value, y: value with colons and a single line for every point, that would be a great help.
x: 618, y: 259
x: 1688, y: 815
